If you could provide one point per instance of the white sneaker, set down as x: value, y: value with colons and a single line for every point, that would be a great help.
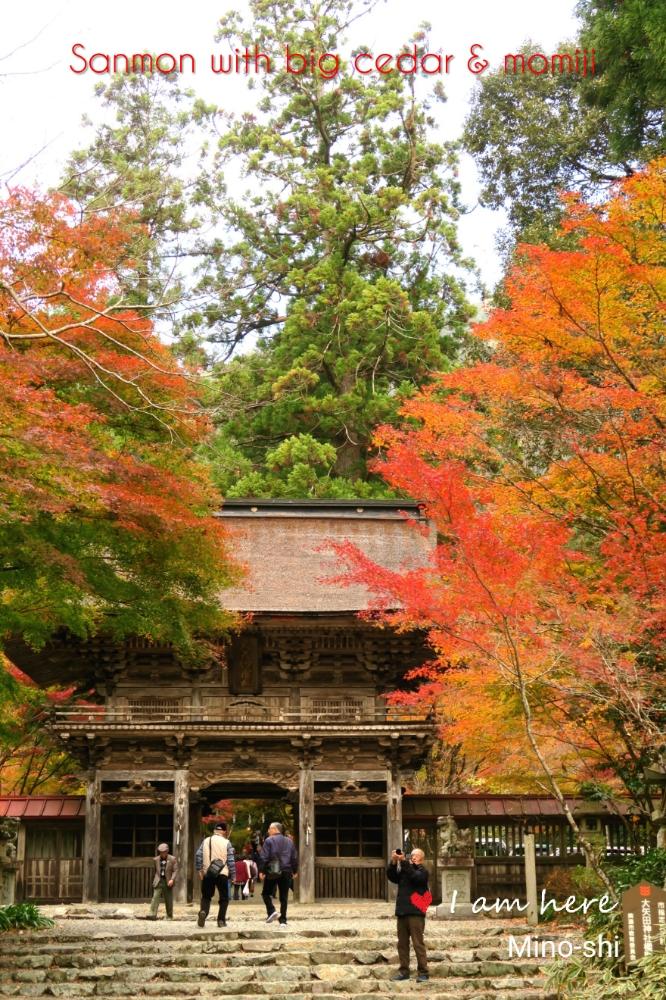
x: 283, y: 926
x: 271, y: 917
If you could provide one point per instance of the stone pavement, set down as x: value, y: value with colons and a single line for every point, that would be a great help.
x: 329, y: 951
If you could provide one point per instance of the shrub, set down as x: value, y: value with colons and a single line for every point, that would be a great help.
x: 22, y: 916
x: 606, y: 979
x: 579, y: 881
x: 575, y: 979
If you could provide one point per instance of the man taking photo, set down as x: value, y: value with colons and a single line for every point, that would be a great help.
x: 414, y: 898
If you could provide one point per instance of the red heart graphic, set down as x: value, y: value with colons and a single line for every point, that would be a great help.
x: 421, y: 902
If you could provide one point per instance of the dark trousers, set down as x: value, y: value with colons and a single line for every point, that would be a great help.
x: 208, y: 887
x: 283, y: 882
x: 412, y: 928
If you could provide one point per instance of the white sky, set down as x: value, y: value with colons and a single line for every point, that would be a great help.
x: 42, y: 101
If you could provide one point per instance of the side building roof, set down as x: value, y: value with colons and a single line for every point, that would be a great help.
x: 42, y: 807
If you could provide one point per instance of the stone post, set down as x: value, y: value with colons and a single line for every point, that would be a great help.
x: 455, y: 865
x: 181, y: 831
x: 91, y: 839
x: 456, y: 874
x: 9, y: 829
x: 306, y: 843
x: 531, y: 880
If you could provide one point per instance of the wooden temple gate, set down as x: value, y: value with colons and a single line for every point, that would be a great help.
x: 295, y: 700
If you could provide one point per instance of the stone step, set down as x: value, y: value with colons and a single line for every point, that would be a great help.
x: 518, y: 988
x: 474, y: 993
x: 468, y: 962
x: 227, y: 939
x: 223, y: 949
x: 220, y: 959
x: 85, y: 969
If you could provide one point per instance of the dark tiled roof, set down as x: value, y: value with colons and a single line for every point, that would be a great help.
x: 43, y: 806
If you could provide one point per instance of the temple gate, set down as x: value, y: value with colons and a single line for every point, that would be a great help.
x: 292, y: 703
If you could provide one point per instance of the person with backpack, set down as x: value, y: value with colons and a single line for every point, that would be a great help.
x: 278, y: 866
x: 215, y: 864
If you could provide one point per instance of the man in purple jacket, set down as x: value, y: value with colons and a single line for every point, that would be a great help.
x: 278, y: 865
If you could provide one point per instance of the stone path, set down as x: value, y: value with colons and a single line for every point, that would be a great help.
x: 328, y: 952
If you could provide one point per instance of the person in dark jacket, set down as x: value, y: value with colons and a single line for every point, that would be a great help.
x: 278, y: 864
x: 414, y: 898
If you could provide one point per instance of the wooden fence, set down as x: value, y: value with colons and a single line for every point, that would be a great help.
x: 48, y: 880
x: 128, y: 883
x: 499, y: 852
x: 363, y: 880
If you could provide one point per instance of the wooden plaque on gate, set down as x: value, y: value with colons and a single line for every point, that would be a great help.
x: 643, y: 920
x: 244, y: 668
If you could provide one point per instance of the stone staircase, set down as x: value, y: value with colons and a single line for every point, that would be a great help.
x: 468, y: 961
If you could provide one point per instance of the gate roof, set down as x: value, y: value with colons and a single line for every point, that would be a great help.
x: 286, y: 547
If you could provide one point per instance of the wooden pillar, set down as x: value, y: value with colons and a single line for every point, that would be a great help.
x: 181, y: 830
x: 91, y: 839
x: 306, y: 843
x: 394, y: 832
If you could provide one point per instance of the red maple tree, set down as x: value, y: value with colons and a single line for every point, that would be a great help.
x: 542, y: 471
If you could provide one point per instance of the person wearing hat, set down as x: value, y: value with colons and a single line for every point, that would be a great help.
x: 166, y: 872
x: 216, y: 864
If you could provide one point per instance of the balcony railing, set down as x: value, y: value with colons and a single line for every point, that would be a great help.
x: 233, y: 714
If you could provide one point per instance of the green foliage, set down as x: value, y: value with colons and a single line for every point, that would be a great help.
x: 598, y: 979
x: 149, y: 157
x: 575, y: 979
x: 650, y: 867
x: 630, y: 88
x: 23, y: 916
x: 30, y: 762
x: 105, y: 513
x: 341, y: 257
x: 533, y: 137
x: 253, y: 816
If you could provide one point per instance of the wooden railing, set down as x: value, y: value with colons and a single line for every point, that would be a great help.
x: 236, y: 713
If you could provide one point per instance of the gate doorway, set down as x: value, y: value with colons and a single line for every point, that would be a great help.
x: 130, y: 838
x: 350, y: 852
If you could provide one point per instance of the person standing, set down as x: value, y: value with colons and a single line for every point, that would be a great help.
x: 215, y: 863
x: 252, y: 868
x: 241, y: 878
x: 166, y: 873
x: 414, y: 898
x: 278, y: 865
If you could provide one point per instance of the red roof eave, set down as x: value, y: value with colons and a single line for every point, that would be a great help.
x: 42, y: 806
